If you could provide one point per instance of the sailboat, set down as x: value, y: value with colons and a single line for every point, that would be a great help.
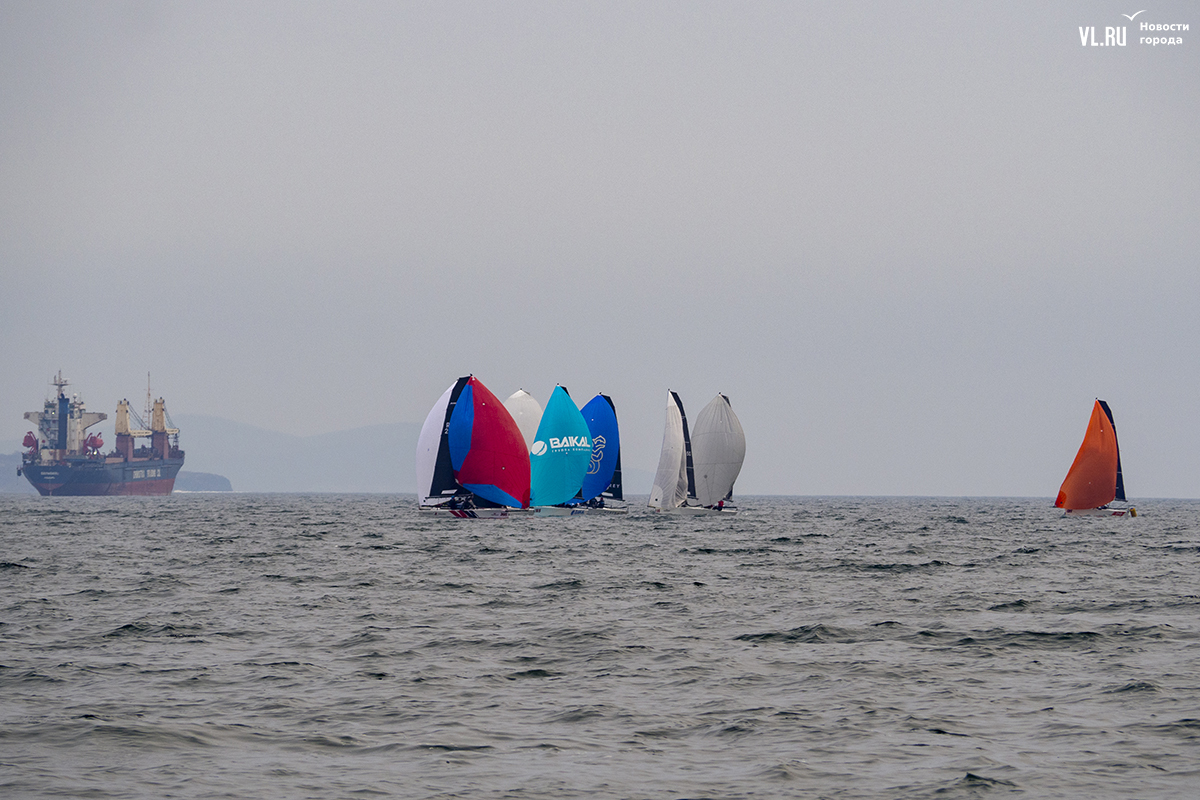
x: 559, y: 457
x: 1094, y: 480
x: 602, y: 483
x: 674, y: 482
x: 718, y: 450
x: 472, y: 461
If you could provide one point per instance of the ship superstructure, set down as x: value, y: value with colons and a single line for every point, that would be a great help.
x: 63, y: 459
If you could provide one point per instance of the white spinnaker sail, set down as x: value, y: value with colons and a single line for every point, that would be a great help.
x: 527, y: 412
x: 427, y: 449
x: 672, y: 466
x: 718, y: 450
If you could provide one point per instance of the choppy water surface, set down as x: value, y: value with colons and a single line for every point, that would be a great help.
x: 338, y: 646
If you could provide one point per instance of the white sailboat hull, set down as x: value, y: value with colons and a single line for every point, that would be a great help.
x: 576, y: 511
x: 1106, y: 511
x: 559, y: 511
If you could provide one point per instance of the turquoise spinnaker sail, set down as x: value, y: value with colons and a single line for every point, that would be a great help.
x: 561, y: 452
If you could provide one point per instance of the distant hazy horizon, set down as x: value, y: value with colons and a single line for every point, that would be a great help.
x: 259, y: 460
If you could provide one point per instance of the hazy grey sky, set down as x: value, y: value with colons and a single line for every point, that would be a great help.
x: 910, y: 241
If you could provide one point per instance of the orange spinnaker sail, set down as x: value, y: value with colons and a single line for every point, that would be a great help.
x: 1092, y: 480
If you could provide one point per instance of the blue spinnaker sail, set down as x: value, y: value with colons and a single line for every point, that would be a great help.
x: 462, y: 425
x: 606, y: 445
x: 561, y: 452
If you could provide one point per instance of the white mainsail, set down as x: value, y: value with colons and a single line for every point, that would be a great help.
x: 718, y: 450
x: 427, y: 450
x: 528, y: 414
x: 670, y: 482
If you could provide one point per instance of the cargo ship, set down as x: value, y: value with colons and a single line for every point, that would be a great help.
x: 63, y: 459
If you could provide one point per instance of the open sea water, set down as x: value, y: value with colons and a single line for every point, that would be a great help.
x: 338, y: 646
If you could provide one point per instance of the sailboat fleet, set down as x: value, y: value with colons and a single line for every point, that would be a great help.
x: 696, y: 472
x: 480, y: 458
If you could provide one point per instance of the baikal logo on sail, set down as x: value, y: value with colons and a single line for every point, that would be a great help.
x: 566, y: 443
x: 1150, y: 33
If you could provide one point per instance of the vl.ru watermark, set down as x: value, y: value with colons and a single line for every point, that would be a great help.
x: 1151, y: 33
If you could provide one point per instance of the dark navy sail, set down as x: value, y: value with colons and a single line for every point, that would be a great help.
x: 443, y: 471
x: 687, y: 449
x: 1120, y: 490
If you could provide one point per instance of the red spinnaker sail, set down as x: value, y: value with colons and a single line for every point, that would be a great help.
x: 1092, y: 480
x: 488, y: 449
